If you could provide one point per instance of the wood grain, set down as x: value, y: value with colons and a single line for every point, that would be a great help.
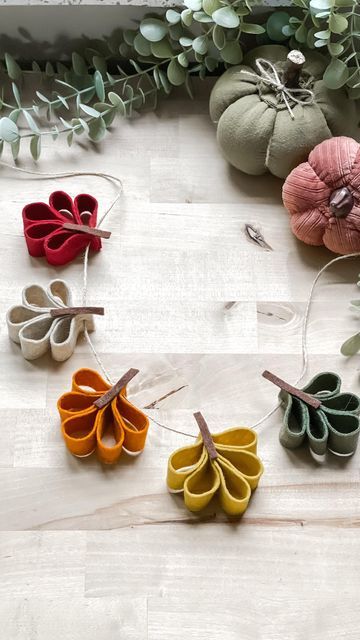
x: 88, y: 551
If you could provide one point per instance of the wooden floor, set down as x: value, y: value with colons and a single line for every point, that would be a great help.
x: 93, y: 553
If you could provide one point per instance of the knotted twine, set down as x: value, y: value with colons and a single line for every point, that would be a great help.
x: 106, y: 176
x: 269, y: 76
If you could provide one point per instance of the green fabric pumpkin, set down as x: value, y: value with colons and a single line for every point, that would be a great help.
x: 255, y: 130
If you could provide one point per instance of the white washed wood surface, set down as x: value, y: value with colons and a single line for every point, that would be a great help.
x: 88, y: 552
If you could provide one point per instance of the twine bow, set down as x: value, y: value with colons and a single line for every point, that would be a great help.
x: 269, y: 76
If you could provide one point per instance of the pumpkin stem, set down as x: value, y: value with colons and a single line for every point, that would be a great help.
x: 294, y: 63
x: 341, y: 202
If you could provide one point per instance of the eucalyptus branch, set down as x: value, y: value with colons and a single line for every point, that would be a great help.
x: 165, y: 52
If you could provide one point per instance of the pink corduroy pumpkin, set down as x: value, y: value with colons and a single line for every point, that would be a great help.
x: 322, y: 196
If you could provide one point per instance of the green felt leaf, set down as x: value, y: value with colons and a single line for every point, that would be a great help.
x: 153, y: 29
x: 226, y: 17
x: 8, y: 130
x: 176, y: 73
x: 336, y: 74
x: 35, y: 147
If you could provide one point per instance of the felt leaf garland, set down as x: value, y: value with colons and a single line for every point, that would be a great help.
x: 45, y: 227
x: 230, y: 469
x: 32, y: 326
x: 98, y: 417
x: 333, y: 425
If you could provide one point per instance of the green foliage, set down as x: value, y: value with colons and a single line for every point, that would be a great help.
x: 165, y: 51
x: 333, y: 27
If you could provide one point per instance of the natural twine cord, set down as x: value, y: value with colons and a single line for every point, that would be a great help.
x: 106, y: 176
x: 268, y: 75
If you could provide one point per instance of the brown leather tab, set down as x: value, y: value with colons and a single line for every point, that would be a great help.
x: 75, y: 311
x: 206, y: 435
x: 115, y: 390
x: 293, y: 391
x: 83, y: 228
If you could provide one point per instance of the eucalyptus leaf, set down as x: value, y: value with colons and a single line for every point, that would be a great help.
x: 31, y: 122
x: 226, y: 17
x: 35, y: 147
x: 209, y: 6
x: 173, y: 16
x: 201, y: 16
x: 183, y: 60
x: 97, y: 130
x: 141, y: 45
x: 336, y: 74
x: 246, y: 27
x: 16, y: 93
x: 232, y: 53
x: 176, y: 73
x: 89, y: 111
x: 275, y: 25
x: 12, y: 67
x: 187, y: 17
x: 337, y: 23
x: 351, y: 346
x: 200, y: 45
x: 8, y: 130
x: 162, y: 49
x: 99, y: 85
x: 219, y: 37
x: 15, y: 148
x: 78, y: 63
x: 153, y: 29
x: 185, y: 41
x: 194, y: 5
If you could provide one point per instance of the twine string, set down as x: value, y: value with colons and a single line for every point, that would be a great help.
x: 268, y: 75
x: 305, y: 324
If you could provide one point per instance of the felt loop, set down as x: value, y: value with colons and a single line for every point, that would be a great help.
x: 334, y: 425
x: 232, y: 475
x: 107, y: 430
x: 269, y: 76
x: 44, y: 224
x: 33, y: 326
